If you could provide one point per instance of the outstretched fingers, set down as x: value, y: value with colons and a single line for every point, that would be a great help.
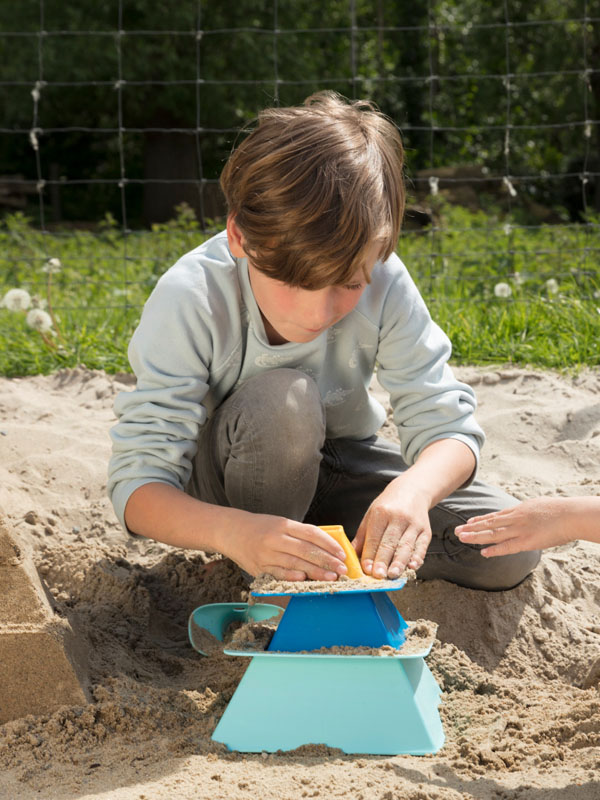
x: 503, y: 539
x: 505, y: 548
x: 403, y: 552
x: 389, y: 556
x: 420, y: 551
x: 486, y: 521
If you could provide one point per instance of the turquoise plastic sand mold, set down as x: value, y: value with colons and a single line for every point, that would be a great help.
x: 217, y: 617
x: 360, y: 704
x: 384, y: 705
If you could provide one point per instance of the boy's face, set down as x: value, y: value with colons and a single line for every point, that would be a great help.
x: 293, y: 314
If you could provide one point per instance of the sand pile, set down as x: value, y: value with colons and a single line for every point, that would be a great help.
x: 520, y: 670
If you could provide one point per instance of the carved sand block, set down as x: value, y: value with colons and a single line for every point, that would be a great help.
x: 42, y: 665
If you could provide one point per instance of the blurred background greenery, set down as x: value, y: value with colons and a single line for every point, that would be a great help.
x: 119, y: 115
x: 155, y: 93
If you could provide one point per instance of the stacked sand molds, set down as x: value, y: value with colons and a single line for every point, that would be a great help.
x: 291, y: 695
x: 41, y: 665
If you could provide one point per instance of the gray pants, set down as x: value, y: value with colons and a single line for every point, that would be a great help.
x: 264, y: 450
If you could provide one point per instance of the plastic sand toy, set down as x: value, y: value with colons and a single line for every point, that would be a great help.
x: 291, y: 696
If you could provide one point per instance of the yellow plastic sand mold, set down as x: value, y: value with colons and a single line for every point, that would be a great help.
x: 351, y: 561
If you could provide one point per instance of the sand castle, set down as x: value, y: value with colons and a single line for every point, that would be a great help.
x: 41, y: 664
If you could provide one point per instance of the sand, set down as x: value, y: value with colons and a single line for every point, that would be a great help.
x: 265, y: 585
x: 519, y: 670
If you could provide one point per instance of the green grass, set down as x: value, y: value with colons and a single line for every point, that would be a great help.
x: 106, y: 276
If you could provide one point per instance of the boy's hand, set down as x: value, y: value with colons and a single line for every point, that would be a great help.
x: 395, y: 532
x: 288, y: 550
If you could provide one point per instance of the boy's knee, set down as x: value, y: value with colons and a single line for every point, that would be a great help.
x: 500, y: 573
x: 470, y: 569
x: 286, y: 403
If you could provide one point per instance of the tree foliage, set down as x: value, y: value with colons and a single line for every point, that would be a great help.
x: 514, y: 87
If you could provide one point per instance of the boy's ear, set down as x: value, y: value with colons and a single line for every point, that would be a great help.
x: 235, y: 238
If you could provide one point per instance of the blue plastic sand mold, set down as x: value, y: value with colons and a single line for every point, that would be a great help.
x: 360, y: 703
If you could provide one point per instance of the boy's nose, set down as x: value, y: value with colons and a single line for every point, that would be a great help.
x: 321, y: 309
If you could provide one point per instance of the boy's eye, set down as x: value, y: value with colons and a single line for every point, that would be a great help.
x: 353, y: 286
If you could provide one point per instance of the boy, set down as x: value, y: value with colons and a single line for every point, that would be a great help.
x: 252, y: 423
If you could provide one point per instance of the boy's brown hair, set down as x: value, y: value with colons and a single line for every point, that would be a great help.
x: 313, y: 186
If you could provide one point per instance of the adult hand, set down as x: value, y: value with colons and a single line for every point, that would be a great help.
x: 395, y: 532
x: 532, y: 525
x: 288, y: 550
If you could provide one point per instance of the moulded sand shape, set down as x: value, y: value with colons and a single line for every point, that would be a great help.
x: 41, y: 664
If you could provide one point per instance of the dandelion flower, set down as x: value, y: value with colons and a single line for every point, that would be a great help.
x: 552, y: 286
x: 502, y: 290
x: 52, y: 265
x: 39, y: 320
x: 16, y: 300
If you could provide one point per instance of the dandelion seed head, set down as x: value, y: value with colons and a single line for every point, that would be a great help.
x: 502, y: 290
x: 52, y: 265
x: 16, y: 300
x: 518, y: 279
x: 39, y: 320
x: 552, y: 286
x: 597, y: 293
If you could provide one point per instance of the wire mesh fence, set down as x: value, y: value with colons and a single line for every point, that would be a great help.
x: 118, y: 119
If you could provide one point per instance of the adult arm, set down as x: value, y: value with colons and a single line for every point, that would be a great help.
x: 534, y: 525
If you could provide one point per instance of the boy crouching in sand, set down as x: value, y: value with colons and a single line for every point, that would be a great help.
x: 252, y: 422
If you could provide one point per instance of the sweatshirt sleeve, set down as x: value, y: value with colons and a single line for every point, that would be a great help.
x: 428, y: 402
x: 155, y: 438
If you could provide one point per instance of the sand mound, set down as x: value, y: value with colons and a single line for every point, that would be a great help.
x: 520, y: 670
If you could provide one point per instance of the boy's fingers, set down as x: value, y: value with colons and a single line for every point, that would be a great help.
x: 301, y: 545
x: 290, y: 564
x: 377, y: 546
x: 392, y: 558
x: 285, y: 574
x: 314, y: 535
x: 369, y: 548
x: 293, y: 553
x: 418, y: 557
x: 359, y: 540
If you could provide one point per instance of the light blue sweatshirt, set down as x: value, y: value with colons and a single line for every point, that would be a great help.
x: 201, y: 335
